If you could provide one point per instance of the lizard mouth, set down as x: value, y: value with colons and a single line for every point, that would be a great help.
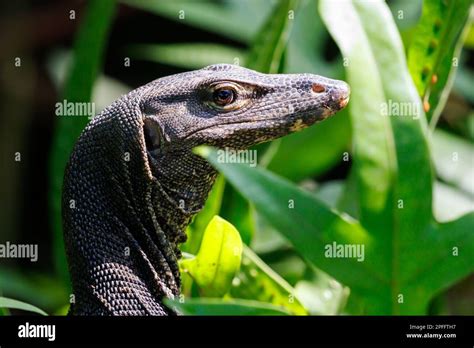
x: 197, y: 131
x: 344, y: 102
x: 292, y: 122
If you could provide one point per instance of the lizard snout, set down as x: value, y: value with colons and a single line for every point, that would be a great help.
x: 340, y: 95
x: 337, y: 92
x: 344, y: 94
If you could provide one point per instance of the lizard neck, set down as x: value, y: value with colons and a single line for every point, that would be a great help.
x: 181, y: 183
x: 124, y: 215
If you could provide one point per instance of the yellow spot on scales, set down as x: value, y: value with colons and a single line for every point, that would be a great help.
x: 299, y: 125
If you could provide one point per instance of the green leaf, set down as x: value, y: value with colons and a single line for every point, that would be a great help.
x: 373, y: 156
x: 189, y: 55
x: 317, y: 225
x: 210, y: 306
x: 409, y: 223
x: 257, y: 281
x: 87, y: 59
x: 268, y: 47
x: 14, y: 304
x: 448, y: 256
x: 218, y: 259
x: 383, y: 162
x: 434, y: 51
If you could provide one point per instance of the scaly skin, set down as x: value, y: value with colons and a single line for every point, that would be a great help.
x: 133, y: 184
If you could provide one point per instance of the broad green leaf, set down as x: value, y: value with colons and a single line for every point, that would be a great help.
x: 210, y: 306
x: 189, y: 55
x: 409, y: 221
x: 218, y: 259
x: 268, y: 47
x: 409, y: 127
x: 406, y: 13
x: 236, y: 19
x: 373, y: 154
x: 14, y: 304
x: 410, y: 133
x: 454, y: 160
x: 257, y: 281
x: 87, y: 59
x: 434, y: 51
x: 212, y: 207
x: 374, y: 43
x: 306, y: 222
x: 448, y: 256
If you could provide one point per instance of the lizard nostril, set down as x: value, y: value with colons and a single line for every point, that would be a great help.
x: 317, y: 88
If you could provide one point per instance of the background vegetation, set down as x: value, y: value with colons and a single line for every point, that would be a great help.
x: 401, y: 185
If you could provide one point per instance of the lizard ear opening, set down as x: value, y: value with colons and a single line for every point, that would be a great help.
x: 153, y: 136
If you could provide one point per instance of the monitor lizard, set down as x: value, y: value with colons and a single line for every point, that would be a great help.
x: 133, y: 183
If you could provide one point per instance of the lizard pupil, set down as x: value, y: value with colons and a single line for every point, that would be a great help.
x: 223, y: 96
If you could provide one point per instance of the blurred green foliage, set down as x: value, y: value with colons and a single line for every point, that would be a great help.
x: 404, y: 176
x: 87, y: 60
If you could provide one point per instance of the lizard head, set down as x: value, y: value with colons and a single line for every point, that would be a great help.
x: 229, y: 106
x: 225, y: 106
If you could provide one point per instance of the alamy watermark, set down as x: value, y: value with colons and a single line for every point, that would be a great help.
x: 19, y: 251
x: 68, y: 108
x: 403, y: 109
x: 345, y: 251
x: 28, y: 330
x: 228, y: 155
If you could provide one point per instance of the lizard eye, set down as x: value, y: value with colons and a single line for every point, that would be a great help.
x: 223, y: 96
